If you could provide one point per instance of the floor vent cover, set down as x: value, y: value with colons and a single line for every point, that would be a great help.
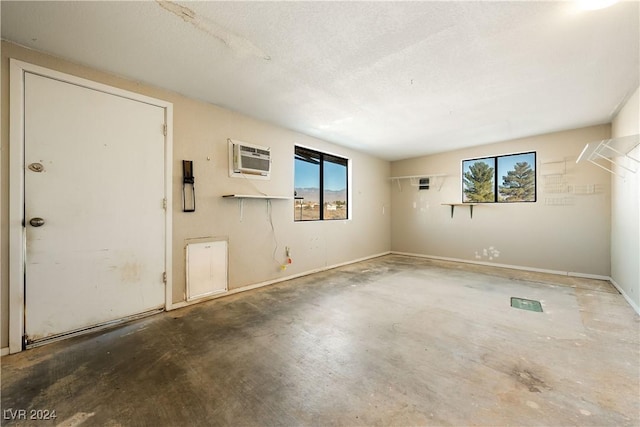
x: 526, y: 304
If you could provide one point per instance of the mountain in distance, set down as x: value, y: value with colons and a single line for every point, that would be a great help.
x: 313, y: 195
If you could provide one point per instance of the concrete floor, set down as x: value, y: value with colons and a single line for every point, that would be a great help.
x: 390, y: 341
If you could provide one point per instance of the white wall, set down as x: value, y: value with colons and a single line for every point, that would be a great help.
x: 562, y: 231
x: 200, y: 134
x: 625, y: 211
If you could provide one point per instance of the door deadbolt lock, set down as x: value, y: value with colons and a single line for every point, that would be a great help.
x: 36, y: 167
x: 36, y: 222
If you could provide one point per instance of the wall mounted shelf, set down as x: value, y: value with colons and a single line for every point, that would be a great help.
x: 453, y: 206
x: 616, y: 151
x: 242, y: 197
x: 254, y: 196
x: 415, y: 179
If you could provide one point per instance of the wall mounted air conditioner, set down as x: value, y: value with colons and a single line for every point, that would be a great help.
x: 249, y: 159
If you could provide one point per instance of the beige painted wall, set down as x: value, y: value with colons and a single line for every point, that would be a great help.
x: 563, y: 232
x: 625, y: 210
x: 200, y: 134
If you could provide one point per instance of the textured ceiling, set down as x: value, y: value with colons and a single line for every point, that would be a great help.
x: 395, y: 79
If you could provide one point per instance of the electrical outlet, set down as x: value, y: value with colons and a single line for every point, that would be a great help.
x: 287, y: 251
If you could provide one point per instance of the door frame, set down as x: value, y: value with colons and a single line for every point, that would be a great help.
x: 17, y: 234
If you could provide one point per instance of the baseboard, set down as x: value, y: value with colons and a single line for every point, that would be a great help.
x: 4, y: 351
x: 589, y: 276
x: 330, y: 267
x: 633, y: 305
x: 274, y: 281
x: 513, y: 267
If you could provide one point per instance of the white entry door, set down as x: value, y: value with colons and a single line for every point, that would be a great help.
x: 94, y: 217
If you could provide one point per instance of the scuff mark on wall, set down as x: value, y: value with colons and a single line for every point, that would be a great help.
x: 183, y: 12
x: 237, y: 44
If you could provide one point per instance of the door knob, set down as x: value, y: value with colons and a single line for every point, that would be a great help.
x: 36, y: 222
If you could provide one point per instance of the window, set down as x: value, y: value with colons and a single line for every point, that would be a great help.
x: 501, y: 179
x: 320, y: 186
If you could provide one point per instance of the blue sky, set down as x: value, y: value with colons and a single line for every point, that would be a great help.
x: 468, y: 163
x: 505, y: 163
x: 307, y: 175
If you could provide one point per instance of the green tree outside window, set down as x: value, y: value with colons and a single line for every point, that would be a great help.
x: 479, y: 182
x: 519, y: 185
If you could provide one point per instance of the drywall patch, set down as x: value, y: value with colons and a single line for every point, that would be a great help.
x: 237, y: 44
x: 487, y: 253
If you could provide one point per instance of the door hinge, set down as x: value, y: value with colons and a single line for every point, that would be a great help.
x: 164, y: 277
x: 164, y: 204
x: 164, y: 129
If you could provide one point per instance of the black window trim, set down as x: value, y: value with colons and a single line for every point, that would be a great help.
x: 322, y: 158
x: 496, y: 180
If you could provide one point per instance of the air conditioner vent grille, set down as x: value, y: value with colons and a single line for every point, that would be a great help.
x: 255, y: 163
x: 249, y: 159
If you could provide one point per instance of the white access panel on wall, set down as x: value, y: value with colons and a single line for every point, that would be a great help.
x: 206, y: 269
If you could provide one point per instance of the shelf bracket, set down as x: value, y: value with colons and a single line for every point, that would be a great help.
x: 453, y: 207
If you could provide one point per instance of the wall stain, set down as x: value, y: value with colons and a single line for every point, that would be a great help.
x: 529, y: 380
x: 237, y: 44
x: 130, y: 272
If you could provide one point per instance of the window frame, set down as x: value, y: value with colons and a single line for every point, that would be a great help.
x: 325, y: 157
x: 497, y: 178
